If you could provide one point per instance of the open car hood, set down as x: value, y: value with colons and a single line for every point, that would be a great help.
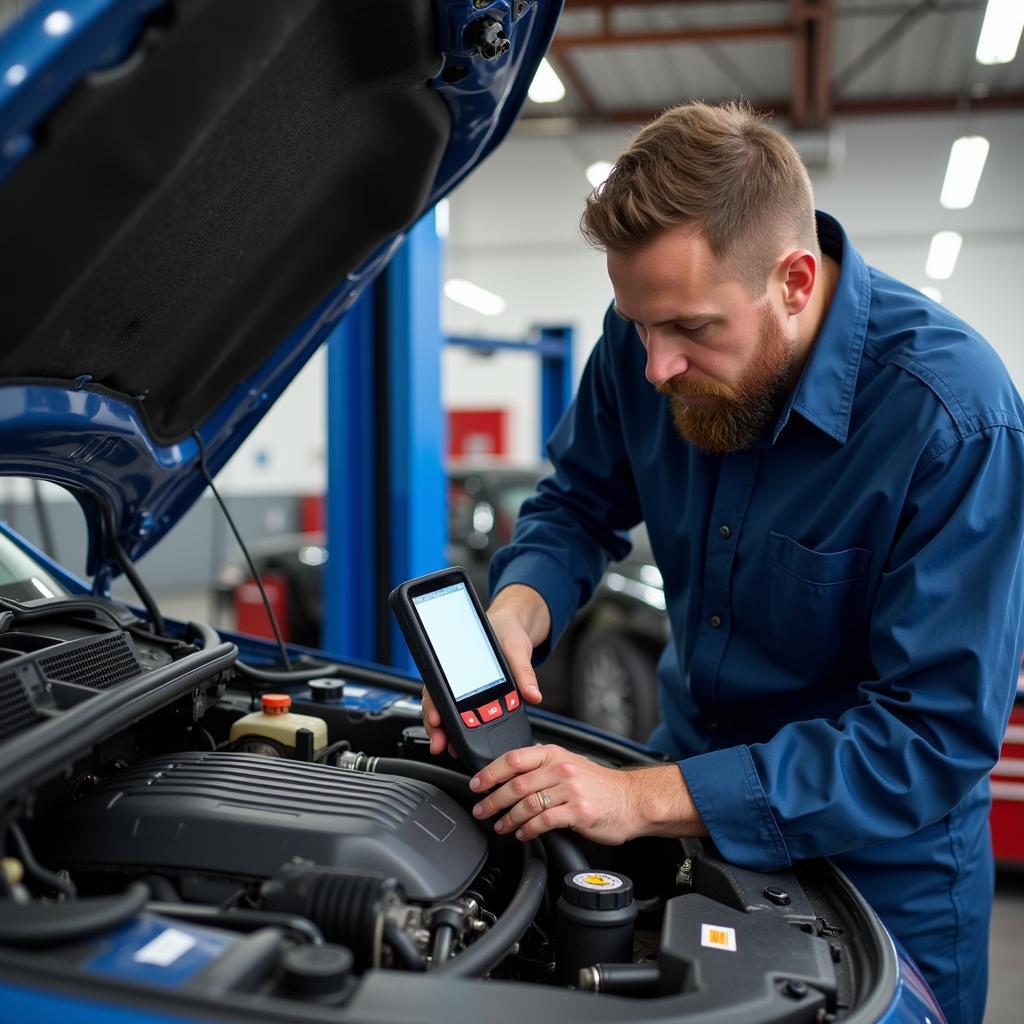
x: 192, y: 195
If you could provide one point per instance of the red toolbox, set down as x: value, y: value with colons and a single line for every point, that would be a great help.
x: 1007, y: 817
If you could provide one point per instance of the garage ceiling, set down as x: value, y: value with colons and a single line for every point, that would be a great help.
x: 806, y: 60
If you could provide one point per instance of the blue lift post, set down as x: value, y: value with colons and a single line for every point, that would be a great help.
x: 416, y: 425
x: 393, y: 426
x: 348, y: 612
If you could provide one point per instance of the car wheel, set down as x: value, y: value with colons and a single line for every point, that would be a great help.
x: 614, y: 685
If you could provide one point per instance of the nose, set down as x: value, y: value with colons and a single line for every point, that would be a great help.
x: 665, y: 360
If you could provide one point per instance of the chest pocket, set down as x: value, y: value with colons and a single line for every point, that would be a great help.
x: 813, y: 606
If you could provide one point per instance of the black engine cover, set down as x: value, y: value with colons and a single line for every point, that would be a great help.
x: 244, y: 816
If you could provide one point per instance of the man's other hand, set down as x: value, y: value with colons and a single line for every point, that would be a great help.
x: 545, y: 787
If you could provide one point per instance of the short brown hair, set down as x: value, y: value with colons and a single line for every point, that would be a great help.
x: 722, y: 168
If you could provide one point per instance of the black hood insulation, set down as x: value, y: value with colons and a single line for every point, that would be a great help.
x: 179, y: 220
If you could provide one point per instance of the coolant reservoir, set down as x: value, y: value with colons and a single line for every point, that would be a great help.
x: 276, y: 722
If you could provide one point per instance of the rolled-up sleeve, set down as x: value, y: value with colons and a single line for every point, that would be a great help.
x: 945, y: 640
x: 581, y: 514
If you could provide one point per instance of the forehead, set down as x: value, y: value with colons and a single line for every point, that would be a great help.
x: 677, y: 262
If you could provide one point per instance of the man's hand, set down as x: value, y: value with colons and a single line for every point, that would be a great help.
x: 521, y: 621
x: 546, y: 787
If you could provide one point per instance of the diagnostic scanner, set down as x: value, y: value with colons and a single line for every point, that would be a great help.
x: 462, y: 666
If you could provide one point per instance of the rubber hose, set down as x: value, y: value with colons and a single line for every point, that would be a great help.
x: 404, y: 949
x: 43, y: 924
x: 493, y: 946
x: 241, y: 920
x: 36, y: 870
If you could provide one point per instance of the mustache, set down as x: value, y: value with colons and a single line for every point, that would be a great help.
x: 684, y: 387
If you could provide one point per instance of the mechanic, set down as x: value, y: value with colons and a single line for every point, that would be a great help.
x: 831, y: 470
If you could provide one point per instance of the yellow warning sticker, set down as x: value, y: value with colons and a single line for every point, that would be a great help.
x: 716, y: 936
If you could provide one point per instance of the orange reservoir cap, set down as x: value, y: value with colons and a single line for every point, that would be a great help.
x: 276, y: 703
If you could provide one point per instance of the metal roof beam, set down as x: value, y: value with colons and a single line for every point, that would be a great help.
x: 870, y: 106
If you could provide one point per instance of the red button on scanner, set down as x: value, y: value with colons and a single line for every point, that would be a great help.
x: 470, y: 720
x: 511, y: 700
x: 489, y: 712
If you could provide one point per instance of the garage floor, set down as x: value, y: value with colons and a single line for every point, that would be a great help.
x: 1006, y: 950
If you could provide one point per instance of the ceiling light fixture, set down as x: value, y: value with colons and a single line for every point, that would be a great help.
x: 963, y: 172
x: 1000, y: 32
x: 933, y: 293
x: 942, y: 254
x: 546, y: 86
x: 472, y: 296
x: 598, y: 171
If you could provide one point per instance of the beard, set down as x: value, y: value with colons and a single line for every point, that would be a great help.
x: 733, y: 418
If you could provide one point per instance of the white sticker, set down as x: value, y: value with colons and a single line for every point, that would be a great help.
x: 717, y: 936
x: 597, y: 880
x: 167, y: 947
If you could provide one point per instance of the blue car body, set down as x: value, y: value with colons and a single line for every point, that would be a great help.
x: 98, y: 443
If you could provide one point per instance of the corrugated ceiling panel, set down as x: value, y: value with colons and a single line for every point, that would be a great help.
x: 639, y: 19
x: 649, y: 77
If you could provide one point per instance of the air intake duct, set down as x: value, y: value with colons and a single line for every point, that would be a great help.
x: 348, y: 908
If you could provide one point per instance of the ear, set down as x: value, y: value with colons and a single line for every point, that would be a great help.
x: 799, y: 271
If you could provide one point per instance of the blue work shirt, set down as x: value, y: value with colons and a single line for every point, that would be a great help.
x: 845, y: 600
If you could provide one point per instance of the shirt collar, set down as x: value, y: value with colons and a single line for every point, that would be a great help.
x: 824, y: 393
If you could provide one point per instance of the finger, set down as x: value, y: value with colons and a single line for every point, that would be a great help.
x: 529, y: 807
x: 438, y: 739
x: 431, y: 716
x: 520, y: 656
x: 553, y: 817
x: 500, y: 770
x: 516, y: 790
x: 432, y: 723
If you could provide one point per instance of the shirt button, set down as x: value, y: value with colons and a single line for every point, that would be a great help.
x: 724, y: 532
x: 716, y: 621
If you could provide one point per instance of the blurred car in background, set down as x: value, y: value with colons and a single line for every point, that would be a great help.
x: 602, y: 670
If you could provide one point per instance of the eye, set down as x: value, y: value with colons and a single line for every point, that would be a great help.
x: 693, y: 332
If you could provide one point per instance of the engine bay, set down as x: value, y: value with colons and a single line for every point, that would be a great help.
x: 160, y: 844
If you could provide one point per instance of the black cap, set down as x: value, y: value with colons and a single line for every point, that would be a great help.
x: 317, y: 970
x: 597, y: 890
x: 325, y: 691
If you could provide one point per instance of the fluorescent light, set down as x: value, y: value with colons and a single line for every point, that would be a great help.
x: 546, y: 86
x: 942, y: 254
x: 57, y: 23
x: 963, y: 172
x: 1000, y: 32
x: 472, y: 296
x: 598, y: 172
x: 933, y: 293
x: 441, y: 218
x: 16, y: 74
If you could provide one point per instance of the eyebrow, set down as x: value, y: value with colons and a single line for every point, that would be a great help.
x: 706, y: 316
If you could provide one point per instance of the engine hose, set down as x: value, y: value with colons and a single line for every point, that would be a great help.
x: 455, y: 784
x: 34, y: 869
x: 564, y: 854
x: 240, y: 920
x: 403, y: 948
x: 493, y: 946
x: 43, y: 924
